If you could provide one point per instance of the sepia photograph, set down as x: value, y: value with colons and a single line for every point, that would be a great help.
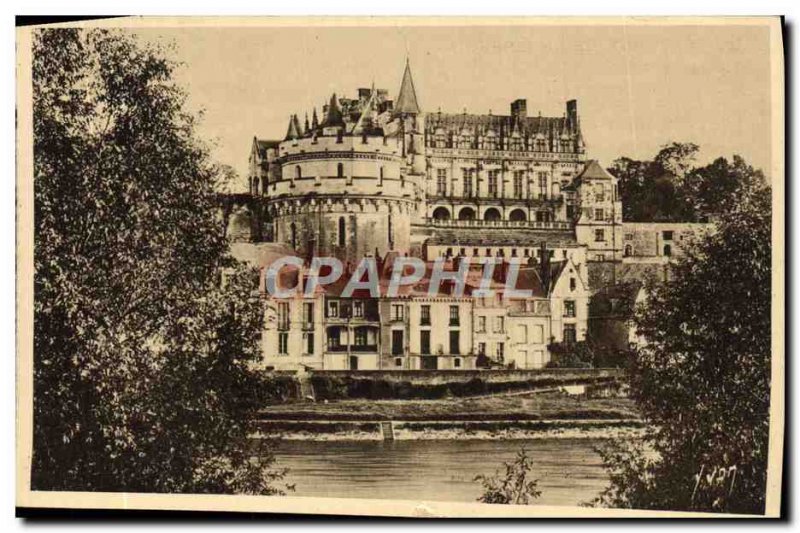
x: 383, y: 266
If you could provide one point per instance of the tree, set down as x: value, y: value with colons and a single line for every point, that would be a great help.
x: 671, y: 188
x: 702, y: 379
x: 142, y: 358
x: 712, y: 188
x: 514, y: 485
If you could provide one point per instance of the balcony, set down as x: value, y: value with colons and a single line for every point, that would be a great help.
x: 526, y: 224
x: 364, y: 348
x: 354, y: 348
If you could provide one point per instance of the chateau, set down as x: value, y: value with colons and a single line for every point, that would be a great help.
x: 376, y: 177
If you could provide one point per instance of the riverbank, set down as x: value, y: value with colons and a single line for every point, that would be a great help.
x: 510, y: 417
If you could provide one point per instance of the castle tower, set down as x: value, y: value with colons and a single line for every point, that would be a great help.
x: 347, y: 185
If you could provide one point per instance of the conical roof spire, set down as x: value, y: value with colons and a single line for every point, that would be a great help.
x: 314, y: 120
x: 407, y: 98
x: 334, y: 117
x: 293, y: 132
x: 307, y: 128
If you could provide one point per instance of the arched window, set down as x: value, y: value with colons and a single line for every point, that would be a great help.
x: 293, y: 229
x: 339, y: 170
x: 491, y: 214
x: 667, y: 250
x: 441, y: 213
x: 466, y: 213
x: 341, y: 230
x: 628, y: 250
x: 517, y: 215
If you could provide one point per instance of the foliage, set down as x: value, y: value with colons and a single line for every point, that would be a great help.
x: 142, y: 358
x: 702, y: 380
x: 671, y: 188
x: 570, y: 355
x: 514, y: 486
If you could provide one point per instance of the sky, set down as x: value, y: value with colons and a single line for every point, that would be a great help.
x: 638, y: 87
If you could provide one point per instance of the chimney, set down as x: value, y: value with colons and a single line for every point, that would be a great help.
x: 572, y: 114
x: 519, y: 108
x: 544, y: 267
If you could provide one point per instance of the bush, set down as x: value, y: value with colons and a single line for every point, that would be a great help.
x: 513, y: 486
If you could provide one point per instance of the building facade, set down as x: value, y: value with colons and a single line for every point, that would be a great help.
x: 372, y: 176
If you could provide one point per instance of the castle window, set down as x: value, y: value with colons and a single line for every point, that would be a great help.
x: 667, y: 235
x: 599, y: 235
x: 667, y: 250
x: 517, y: 215
x: 457, y: 362
x: 380, y: 176
x: 493, y: 191
x: 341, y: 231
x: 542, y: 185
x: 598, y: 214
x: 293, y: 228
x: 298, y: 173
x: 339, y: 170
x: 569, y: 308
x: 398, y: 361
x: 441, y: 181
x: 572, y: 284
x: 628, y: 250
x: 518, y: 174
x: 441, y: 213
x: 468, y: 182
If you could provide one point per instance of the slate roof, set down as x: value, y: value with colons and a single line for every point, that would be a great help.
x: 407, y: 98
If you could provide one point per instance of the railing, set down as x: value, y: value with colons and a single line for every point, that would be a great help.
x: 362, y: 348
x: 528, y: 224
x: 369, y: 348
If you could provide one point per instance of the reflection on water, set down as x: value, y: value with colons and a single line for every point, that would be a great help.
x: 569, y: 471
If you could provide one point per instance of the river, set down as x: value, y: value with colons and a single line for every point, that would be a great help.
x: 569, y: 470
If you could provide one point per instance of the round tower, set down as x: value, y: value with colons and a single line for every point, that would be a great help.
x: 347, y: 186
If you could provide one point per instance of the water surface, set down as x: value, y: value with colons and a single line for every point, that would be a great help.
x: 569, y: 471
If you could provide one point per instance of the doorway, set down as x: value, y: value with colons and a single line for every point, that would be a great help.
x: 429, y: 362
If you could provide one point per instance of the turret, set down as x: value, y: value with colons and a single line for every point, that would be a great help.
x: 407, y: 98
x: 293, y: 131
x: 334, y: 115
